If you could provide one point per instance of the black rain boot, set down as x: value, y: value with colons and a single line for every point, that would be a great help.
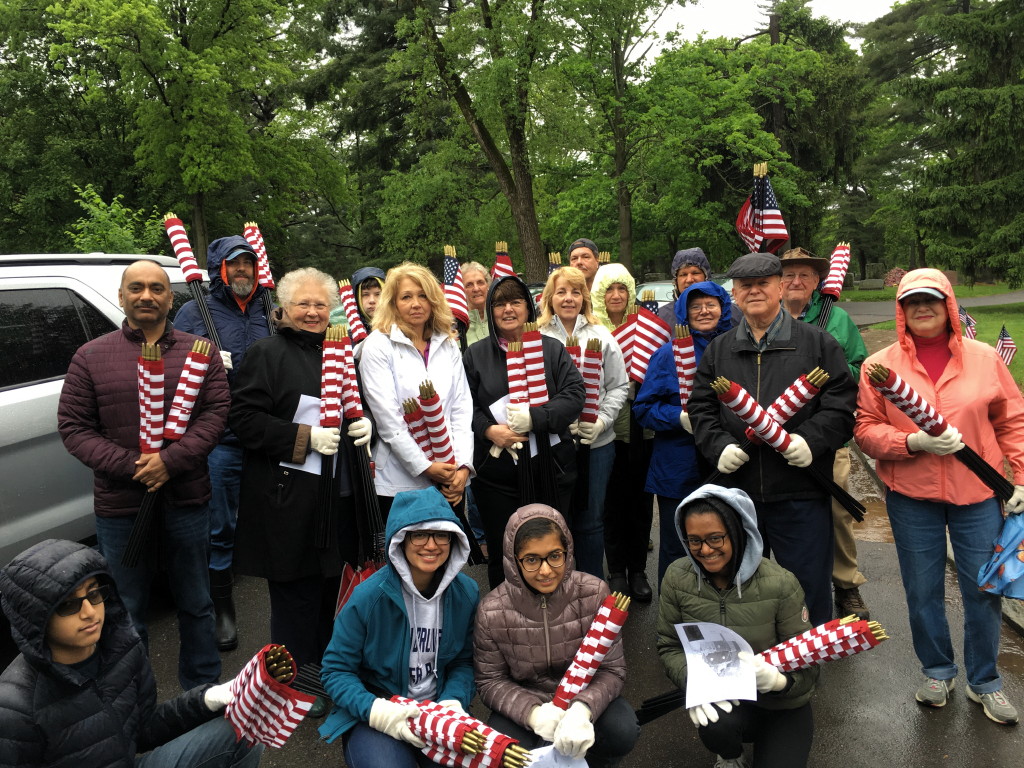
x: 220, y: 590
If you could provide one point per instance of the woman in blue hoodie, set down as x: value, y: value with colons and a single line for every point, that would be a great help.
x: 407, y: 630
x: 705, y: 308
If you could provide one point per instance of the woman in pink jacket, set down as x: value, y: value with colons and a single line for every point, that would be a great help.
x: 930, y: 491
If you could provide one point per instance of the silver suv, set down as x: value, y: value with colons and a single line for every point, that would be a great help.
x: 51, y: 304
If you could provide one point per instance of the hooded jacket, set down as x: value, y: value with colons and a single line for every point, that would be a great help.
x: 975, y: 393
x: 687, y: 257
x: 237, y: 329
x: 369, y: 653
x: 606, y: 275
x: 614, y: 382
x: 673, y: 471
x: 487, y: 374
x: 53, y: 714
x: 525, y: 640
x: 359, y: 277
x: 764, y: 604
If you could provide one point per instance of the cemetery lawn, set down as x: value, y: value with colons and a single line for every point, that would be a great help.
x: 962, y: 291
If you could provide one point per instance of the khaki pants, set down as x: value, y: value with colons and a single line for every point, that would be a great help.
x: 844, y: 567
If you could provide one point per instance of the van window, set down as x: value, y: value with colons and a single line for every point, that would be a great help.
x: 40, y: 330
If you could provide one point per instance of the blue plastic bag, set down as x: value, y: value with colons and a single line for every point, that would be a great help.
x: 1004, y: 572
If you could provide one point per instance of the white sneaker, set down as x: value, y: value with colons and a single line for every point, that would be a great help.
x: 736, y: 762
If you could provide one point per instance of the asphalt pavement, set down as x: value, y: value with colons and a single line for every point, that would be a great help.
x: 870, y: 312
x: 864, y: 711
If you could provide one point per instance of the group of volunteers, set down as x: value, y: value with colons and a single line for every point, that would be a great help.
x: 561, y: 506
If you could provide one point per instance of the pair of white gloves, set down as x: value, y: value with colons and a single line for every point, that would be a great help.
x: 588, y: 431
x: 391, y: 718
x: 570, y: 730
x: 798, y: 455
x: 325, y: 440
x: 767, y: 679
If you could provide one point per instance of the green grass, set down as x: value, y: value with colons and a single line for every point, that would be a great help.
x: 962, y: 291
x: 989, y: 321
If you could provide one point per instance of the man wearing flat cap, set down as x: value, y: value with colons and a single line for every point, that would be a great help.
x: 765, y: 354
x: 802, y: 271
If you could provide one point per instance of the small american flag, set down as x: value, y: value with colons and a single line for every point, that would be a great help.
x: 1005, y: 346
x: 502, y: 263
x: 759, y: 223
x: 967, y: 323
x: 454, y: 290
x: 650, y: 334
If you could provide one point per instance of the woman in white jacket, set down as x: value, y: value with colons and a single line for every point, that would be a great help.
x: 412, y: 342
x: 566, y: 310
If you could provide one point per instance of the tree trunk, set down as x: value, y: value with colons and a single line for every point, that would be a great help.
x: 623, y: 194
x: 199, y: 237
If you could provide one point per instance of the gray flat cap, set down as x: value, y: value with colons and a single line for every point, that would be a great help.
x: 755, y: 265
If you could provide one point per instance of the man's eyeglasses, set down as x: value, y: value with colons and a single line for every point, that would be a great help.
x: 420, y: 537
x: 532, y: 563
x: 305, y: 306
x: 715, y: 541
x: 73, y: 605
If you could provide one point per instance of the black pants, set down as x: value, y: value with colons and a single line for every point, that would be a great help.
x: 615, y: 733
x: 302, y: 615
x: 781, y: 737
x: 628, y: 509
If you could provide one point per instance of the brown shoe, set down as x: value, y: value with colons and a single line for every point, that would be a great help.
x: 849, y: 601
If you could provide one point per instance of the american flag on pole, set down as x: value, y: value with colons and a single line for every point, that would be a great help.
x: 502, y: 263
x: 760, y: 224
x: 967, y: 322
x: 454, y: 290
x: 1005, y: 346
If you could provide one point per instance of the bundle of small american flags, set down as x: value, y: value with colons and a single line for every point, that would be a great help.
x: 454, y: 289
x: 357, y: 330
x: 833, y: 640
x: 605, y: 628
x: 639, y: 337
x: 686, y: 362
x: 193, y: 373
x: 760, y: 224
x: 265, y: 709
x: 502, y: 263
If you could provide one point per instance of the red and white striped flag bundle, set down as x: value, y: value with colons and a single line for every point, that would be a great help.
x: 461, y: 741
x: 352, y: 402
x: 331, y: 378
x: 1006, y: 348
x: 591, y: 371
x: 441, y: 449
x: 554, y: 261
x: 906, y: 398
x: 502, y: 263
x: 454, y: 289
x: 796, y: 396
x: 625, y: 337
x: 838, y: 266
x: 604, y: 630
x: 651, y: 334
x: 833, y: 640
x: 182, y: 249
x: 265, y: 709
x: 739, y: 401
x: 760, y: 224
x: 515, y: 369
x: 686, y: 362
x: 533, y: 360
x: 254, y: 237
x: 417, y: 423
x: 572, y: 346
x: 356, y: 328
x: 151, y: 399
x: 187, y: 392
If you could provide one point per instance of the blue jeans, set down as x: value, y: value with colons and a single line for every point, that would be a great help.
x: 588, y: 524
x: 210, y: 745
x: 367, y: 748
x: 473, y: 513
x: 799, y: 533
x: 225, y: 464
x: 919, y: 529
x: 184, y: 544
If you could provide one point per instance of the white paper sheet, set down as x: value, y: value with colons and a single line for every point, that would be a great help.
x: 549, y: 757
x: 499, y: 412
x: 713, y: 669
x: 308, y: 412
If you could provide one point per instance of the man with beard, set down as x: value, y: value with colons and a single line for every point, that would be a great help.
x: 236, y: 306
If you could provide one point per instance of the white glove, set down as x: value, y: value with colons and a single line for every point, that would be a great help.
x: 518, y: 418
x: 943, y: 445
x: 767, y: 677
x: 360, y: 430
x: 544, y: 720
x: 684, y: 421
x: 703, y: 714
x: 1015, y: 504
x: 732, y: 458
x: 574, y: 428
x: 514, y: 449
x: 575, y: 734
x: 590, y: 430
x: 325, y: 440
x: 225, y: 357
x: 453, y: 704
x: 392, y: 718
x: 217, y: 697
x: 799, y: 452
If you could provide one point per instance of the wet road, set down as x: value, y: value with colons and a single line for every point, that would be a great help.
x: 864, y: 710
x: 868, y: 312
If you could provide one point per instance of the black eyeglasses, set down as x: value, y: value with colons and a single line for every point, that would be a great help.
x: 73, y: 605
x: 420, y: 537
x: 532, y: 563
x: 715, y: 541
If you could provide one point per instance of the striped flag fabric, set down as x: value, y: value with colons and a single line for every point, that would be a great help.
x: 968, y: 323
x: 502, y: 263
x: 650, y: 334
x: 454, y: 290
x: 760, y: 224
x: 266, y: 709
x: 1006, y: 348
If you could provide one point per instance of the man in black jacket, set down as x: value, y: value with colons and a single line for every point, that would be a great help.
x: 82, y: 694
x: 764, y: 354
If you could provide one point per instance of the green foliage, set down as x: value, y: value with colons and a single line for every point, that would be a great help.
x: 113, y: 227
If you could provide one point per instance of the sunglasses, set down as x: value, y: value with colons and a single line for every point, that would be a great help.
x: 73, y: 605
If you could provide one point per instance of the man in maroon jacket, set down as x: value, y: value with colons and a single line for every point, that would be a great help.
x: 98, y: 419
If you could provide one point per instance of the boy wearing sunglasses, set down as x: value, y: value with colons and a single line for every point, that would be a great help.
x: 82, y: 693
